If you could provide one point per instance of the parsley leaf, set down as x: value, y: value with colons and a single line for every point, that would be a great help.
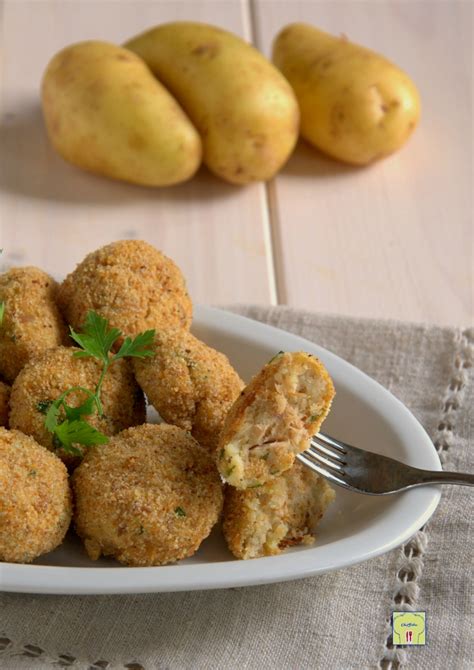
x: 78, y: 432
x: 73, y: 413
x: 179, y: 511
x: 52, y: 415
x: 138, y: 347
x: 96, y: 339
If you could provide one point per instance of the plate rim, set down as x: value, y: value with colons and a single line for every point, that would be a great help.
x: 32, y: 578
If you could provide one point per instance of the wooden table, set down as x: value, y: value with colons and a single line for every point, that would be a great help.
x: 393, y: 240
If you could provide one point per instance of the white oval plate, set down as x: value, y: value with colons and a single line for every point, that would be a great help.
x: 356, y: 527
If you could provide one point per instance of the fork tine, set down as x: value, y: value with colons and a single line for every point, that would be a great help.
x: 329, y: 461
x: 331, y: 442
x: 313, y: 465
x: 320, y: 446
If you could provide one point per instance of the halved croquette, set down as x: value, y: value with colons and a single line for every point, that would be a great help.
x: 273, y: 419
x: 265, y: 520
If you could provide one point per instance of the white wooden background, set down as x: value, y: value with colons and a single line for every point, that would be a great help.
x: 393, y: 240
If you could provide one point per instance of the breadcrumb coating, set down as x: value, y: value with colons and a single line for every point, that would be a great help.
x: 4, y: 403
x: 190, y: 384
x: 46, y: 377
x: 273, y: 419
x: 32, y: 322
x: 149, y: 497
x: 263, y: 521
x: 35, y: 499
x: 131, y: 284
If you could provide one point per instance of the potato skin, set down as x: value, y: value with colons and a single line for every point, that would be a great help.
x: 355, y: 105
x: 244, y: 109
x: 106, y: 113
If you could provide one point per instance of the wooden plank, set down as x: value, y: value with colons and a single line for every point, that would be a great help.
x: 394, y: 239
x: 52, y: 214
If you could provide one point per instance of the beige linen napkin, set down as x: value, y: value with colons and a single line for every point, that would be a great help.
x: 334, y: 621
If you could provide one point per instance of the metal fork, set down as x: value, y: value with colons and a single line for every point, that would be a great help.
x: 366, y: 472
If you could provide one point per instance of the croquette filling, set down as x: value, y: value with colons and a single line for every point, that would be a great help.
x: 284, y: 512
x: 266, y: 528
x: 276, y: 428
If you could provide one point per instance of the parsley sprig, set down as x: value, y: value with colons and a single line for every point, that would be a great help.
x: 67, y: 423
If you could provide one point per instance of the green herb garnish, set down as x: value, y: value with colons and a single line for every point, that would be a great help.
x: 96, y: 340
x: 78, y: 432
x: 179, y: 511
x: 275, y: 356
x: 43, y: 405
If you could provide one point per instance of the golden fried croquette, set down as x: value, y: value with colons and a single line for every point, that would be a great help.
x: 149, y: 497
x: 4, y: 403
x: 274, y: 419
x: 131, y: 284
x: 46, y: 377
x: 265, y: 520
x: 31, y: 321
x: 35, y: 499
x: 191, y: 385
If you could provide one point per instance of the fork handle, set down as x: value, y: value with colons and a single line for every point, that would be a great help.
x: 443, y: 477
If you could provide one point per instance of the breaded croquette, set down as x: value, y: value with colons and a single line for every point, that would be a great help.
x: 265, y: 520
x: 149, y: 497
x: 190, y: 384
x: 4, y: 403
x: 35, y: 499
x: 273, y: 419
x: 44, y: 379
x: 31, y: 320
x: 131, y: 284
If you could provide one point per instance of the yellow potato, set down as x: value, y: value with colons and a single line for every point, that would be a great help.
x: 243, y: 107
x: 105, y: 112
x: 355, y: 105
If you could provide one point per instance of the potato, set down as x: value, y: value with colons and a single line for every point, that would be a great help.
x: 105, y: 112
x: 243, y: 107
x: 355, y: 105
